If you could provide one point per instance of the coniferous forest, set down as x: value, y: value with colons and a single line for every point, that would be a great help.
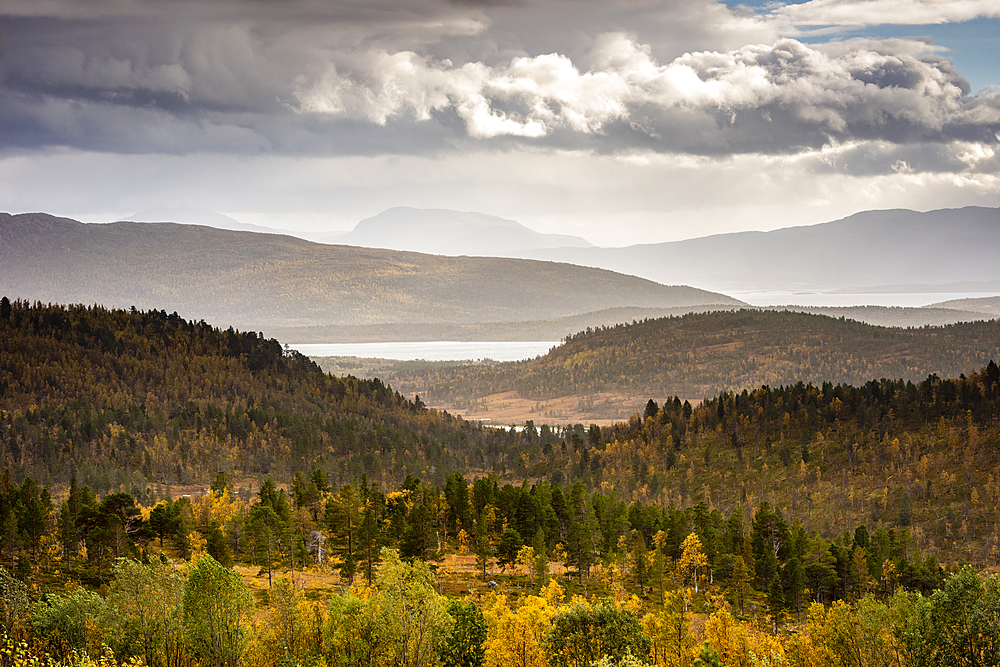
x: 702, y: 354
x: 175, y: 494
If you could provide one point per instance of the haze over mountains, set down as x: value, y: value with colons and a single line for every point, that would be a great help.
x: 891, y: 251
x: 870, y: 248
x: 208, y: 218
x: 258, y: 280
x: 444, y: 232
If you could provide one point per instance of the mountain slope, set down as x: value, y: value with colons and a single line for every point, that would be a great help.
x: 989, y: 305
x: 444, y: 232
x: 208, y: 218
x: 868, y: 248
x: 701, y: 354
x: 144, y: 397
x: 197, y: 216
x: 559, y: 328
x: 255, y: 280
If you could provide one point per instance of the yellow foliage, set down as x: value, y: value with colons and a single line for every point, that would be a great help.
x: 362, y: 589
x: 553, y: 593
x: 18, y: 654
x: 692, y: 557
x: 810, y: 647
x: 516, y: 639
x: 742, y: 644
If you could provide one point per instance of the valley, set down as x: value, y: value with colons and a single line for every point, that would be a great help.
x: 499, y: 333
x: 810, y: 458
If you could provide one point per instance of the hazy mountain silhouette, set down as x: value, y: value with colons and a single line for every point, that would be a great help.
x: 253, y: 280
x: 198, y: 216
x: 989, y: 305
x: 444, y: 232
x: 868, y: 248
x: 208, y: 218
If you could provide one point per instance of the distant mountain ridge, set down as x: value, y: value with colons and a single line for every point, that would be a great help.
x: 198, y: 216
x: 446, y: 232
x: 889, y: 247
x: 989, y: 305
x: 254, y: 280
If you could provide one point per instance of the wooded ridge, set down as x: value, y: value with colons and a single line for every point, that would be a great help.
x: 701, y: 354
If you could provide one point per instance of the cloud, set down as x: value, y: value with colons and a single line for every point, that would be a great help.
x: 881, y: 12
x: 777, y: 98
x: 422, y: 77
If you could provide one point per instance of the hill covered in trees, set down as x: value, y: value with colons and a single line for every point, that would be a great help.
x: 803, y: 524
x: 559, y: 328
x: 128, y: 399
x: 793, y: 568
x: 989, y: 305
x: 701, y: 354
x: 253, y: 280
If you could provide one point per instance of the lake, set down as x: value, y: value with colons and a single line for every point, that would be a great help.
x: 438, y: 350
x: 807, y: 298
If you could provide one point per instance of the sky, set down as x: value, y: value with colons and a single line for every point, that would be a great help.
x: 622, y: 121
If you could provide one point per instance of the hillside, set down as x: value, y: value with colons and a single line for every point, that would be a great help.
x: 197, y: 216
x: 553, y: 329
x: 133, y: 399
x: 894, y: 316
x: 769, y: 499
x: 559, y: 328
x: 256, y: 280
x: 444, y: 232
x: 988, y: 305
x: 699, y: 355
x: 868, y: 248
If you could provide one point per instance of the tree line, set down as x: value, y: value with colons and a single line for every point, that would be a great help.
x: 703, y: 354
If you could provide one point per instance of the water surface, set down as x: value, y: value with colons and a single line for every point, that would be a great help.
x: 438, y: 350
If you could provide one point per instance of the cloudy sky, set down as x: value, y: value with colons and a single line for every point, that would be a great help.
x: 623, y: 121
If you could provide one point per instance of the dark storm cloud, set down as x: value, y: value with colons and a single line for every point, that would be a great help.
x: 419, y: 77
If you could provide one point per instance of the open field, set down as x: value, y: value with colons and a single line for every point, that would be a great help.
x: 509, y: 409
x: 456, y: 575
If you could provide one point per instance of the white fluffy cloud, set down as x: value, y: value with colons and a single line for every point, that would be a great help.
x: 880, y: 12
x: 761, y: 98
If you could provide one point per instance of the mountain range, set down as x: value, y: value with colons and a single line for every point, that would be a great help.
x: 870, y: 248
x: 891, y: 251
x: 252, y: 280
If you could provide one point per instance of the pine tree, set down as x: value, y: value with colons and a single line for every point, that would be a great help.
x: 541, y: 564
x: 483, y: 548
x: 343, y: 522
x: 775, y: 601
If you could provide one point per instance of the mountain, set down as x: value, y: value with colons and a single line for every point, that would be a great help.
x: 197, y: 216
x: 254, y: 280
x: 701, y: 354
x: 444, y: 232
x: 989, y: 305
x: 868, y: 248
x: 207, y: 218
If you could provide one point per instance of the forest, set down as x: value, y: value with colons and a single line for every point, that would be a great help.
x: 176, y: 494
x: 138, y: 399
x: 216, y: 580
x: 702, y: 354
